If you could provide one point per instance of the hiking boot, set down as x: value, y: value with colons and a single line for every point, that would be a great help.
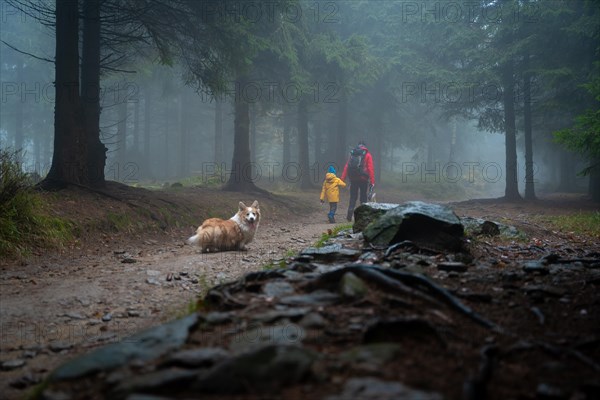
x: 331, y: 220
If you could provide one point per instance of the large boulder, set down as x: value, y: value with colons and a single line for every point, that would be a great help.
x: 369, y: 212
x: 430, y: 226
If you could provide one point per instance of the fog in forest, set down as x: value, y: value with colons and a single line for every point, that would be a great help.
x: 433, y: 88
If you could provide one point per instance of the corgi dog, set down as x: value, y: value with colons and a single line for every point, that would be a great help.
x: 216, y: 234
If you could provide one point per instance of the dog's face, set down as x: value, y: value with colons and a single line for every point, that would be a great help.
x: 250, y: 215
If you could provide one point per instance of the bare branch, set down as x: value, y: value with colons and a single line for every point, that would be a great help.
x: 27, y: 54
x: 39, y: 10
x: 106, y: 67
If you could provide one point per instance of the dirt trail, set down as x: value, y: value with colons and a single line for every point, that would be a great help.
x: 59, y: 306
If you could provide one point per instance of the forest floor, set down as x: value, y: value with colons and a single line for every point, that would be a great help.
x: 130, y: 269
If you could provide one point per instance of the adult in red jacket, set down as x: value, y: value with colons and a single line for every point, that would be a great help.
x: 361, y: 179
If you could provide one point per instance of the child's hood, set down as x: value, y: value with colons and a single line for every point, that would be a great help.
x: 330, y: 177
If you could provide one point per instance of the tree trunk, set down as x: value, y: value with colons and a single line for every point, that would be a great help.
x: 46, y: 154
x: 37, y: 149
x: 166, y: 129
x: 341, y: 153
x: 90, y: 91
x: 287, y: 133
x: 303, y: 160
x: 529, y: 178
x: 331, y: 154
x: 69, y: 163
x: 121, y: 136
x: 511, y: 191
x: 430, y: 163
x: 147, y: 114
x: 594, y: 185
x: 451, y: 156
x: 184, y: 137
x: 318, y: 135
x: 376, y: 146
x: 253, y: 141
x: 218, y: 156
x: 136, y: 126
x: 240, y: 177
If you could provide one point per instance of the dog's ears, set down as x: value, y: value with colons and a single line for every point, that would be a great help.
x: 243, y: 206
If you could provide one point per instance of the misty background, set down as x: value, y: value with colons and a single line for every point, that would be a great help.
x: 420, y: 82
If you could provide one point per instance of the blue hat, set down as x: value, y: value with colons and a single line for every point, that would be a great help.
x: 331, y: 169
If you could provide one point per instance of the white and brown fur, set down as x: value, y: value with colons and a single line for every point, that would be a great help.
x: 216, y: 234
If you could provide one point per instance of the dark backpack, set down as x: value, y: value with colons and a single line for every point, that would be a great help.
x: 356, y: 167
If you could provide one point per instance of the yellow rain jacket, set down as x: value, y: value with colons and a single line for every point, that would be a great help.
x: 331, y: 185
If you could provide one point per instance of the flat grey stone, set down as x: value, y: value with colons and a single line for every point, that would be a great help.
x: 217, y: 317
x: 545, y: 290
x: 368, y: 257
x: 316, y: 298
x: 293, y: 276
x: 270, y: 316
x: 351, y: 286
x: 536, y: 266
x: 84, y: 302
x: 313, y: 320
x: 197, y: 358
x: 12, y: 364
x: 60, y: 346
x: 331, y: 252
x: 452, y: 266
x: 152, y: 281
x: 144, y: 346
x: 29, y: 354
x: 260, y: 336
x: 277, y: 288
x: 158, y: 380
x: 74, y: 315
x: 374, y: 353
x: 263, y: 370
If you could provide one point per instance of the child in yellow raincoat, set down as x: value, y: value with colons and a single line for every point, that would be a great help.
x: 331, y: 192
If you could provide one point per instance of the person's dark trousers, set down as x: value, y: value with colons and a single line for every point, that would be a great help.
x: 332, y: 210
x: 355, y: 188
